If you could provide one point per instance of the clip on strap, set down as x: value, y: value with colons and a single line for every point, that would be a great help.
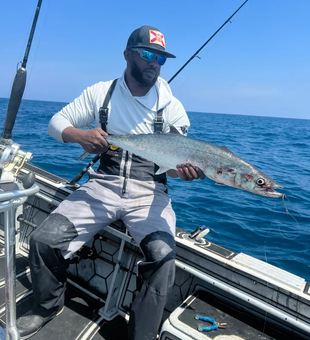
x: 159, y: 122
x: 104, y: 111
x: 103, y: 115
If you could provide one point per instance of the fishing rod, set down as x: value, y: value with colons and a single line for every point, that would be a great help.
x: 97, y: 157
x: 11, y: 154
x: 212, y: 36
x: 84, y: 170
x: 12, y: 159
x: 19, y: 83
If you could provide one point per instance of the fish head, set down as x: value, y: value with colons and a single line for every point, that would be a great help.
x: 250, y: 179
x: 259, y: 183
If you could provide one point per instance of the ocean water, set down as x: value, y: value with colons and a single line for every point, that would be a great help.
x: 241, y: 221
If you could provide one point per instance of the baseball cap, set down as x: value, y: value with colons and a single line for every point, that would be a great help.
x: 148, y: 37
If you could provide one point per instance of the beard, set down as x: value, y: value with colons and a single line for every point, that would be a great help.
x: 142, y: 77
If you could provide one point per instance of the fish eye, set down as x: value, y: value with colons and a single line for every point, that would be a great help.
x: 260, y: 181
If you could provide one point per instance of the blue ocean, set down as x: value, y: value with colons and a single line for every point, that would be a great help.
x: 266, y: 228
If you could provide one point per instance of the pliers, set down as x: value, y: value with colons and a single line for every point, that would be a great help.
x: 215, y: 324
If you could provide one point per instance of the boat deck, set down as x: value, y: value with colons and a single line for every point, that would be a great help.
x: 237, y: 289
x: 79, y: 320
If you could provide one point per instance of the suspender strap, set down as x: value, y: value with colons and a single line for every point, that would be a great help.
x: 104, y: 111
x: 159, y: 122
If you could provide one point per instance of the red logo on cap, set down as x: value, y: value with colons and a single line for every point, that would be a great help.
x: 158, y: 38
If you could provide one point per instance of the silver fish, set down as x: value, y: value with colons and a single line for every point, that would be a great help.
x: 217, y: 162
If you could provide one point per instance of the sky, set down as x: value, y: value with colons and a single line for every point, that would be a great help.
x: 259, y: 64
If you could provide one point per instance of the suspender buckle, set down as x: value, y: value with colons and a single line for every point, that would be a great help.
x: 158, y: 124
x: 103, y: 115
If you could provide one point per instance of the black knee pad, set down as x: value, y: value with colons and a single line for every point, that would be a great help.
x: 158, y: 269
x: 56, y: 231
x: 158, y: 246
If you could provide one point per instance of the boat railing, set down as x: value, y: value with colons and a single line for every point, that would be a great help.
x: 12, y: 195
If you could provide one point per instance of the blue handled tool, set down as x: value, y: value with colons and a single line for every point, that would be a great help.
x: 205, y: 318
x: 215, y: 324
x: 202, y: 328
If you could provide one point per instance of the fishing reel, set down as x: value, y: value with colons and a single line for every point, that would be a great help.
x: 12, y: 159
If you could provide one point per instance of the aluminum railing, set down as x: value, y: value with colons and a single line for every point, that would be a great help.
x: 12, y: 195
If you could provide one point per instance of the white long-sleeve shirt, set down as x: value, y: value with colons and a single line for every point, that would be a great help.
x: 127, y: 114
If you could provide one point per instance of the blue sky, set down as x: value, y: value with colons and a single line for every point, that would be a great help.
x: 257, y: 65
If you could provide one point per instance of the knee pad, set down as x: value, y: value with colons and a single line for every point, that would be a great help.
x: 157, y: 246
x: 55, y: 231
x: 158, y: 269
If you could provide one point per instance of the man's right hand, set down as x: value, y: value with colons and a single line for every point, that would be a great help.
x: 92, y: 140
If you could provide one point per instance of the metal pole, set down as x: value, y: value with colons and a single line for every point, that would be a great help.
x: 10, y: 275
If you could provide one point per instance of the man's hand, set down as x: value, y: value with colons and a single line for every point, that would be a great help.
x: 92, y: 140
x: 187, y: 172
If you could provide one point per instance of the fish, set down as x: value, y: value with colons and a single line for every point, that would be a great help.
x: 218, y: 163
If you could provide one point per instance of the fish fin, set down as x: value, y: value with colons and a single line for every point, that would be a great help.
x: 174, y: 130
x: 222, y: 184
x: 161, y: 170
x: 225, y: 148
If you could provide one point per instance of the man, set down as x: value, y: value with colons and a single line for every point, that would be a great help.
x: 124, y: 187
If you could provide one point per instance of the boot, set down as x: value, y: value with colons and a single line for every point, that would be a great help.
x: 30, y: 323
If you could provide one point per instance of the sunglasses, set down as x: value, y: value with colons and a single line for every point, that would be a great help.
x: 150, y: 56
